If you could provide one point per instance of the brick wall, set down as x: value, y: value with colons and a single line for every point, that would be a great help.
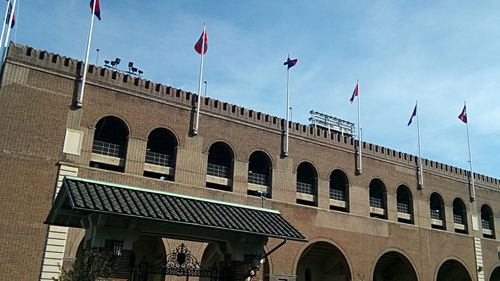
x: 36, y: 94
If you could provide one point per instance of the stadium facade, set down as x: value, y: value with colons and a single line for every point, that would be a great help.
x: 124, y: 174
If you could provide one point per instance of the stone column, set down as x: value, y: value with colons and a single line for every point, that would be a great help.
x: 136, y: 153
x: 191, y: 163
x: 240, y: 176
x: 284, y: 180
x: 323, y: 198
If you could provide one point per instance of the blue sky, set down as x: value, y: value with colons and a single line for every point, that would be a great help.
x: 440, y: 53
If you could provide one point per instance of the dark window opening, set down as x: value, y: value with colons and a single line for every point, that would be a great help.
x: 378, y: 199
x: 404, y: 204
x: 220, y: 158
x: 459, y: 216
x: 110, y: 139
x: 161, y: 148
x: 487, y: 222
x: 339, y: 191
x: 259, y: 169
x: 306, y: 183
x: 437, y: 212
x: 259, y: 172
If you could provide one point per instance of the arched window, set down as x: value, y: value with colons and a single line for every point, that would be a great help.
x: 487, y: 222
x: 110, y: 144
x: 219, y: 168
x: 160, y: 154
x: 404, y: 204
x: 259, y: 174
x: 436, y: 207
x: 339, y: 191
x: 378, y: 202
x: 306, y: 184
x: 459, y: 216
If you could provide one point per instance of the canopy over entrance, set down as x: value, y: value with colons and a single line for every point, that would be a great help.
x: 163, y: 213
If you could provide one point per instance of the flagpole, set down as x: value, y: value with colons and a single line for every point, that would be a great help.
x: 4, y: 24
x: 87, y: 54
x: 285, y: 150
x: 200, y: 80
x: 472, y: 187
x: 359, y: 169
x: 419, y: 163
x: 6, y: 43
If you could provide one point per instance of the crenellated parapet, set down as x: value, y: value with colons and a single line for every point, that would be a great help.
x: 118, y: 81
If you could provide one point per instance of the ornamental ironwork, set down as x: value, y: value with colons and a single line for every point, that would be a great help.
x: 179, y: 262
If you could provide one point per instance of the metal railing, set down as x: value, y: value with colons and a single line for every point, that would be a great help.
x: 257, y: 178
x: 403, y: 207
x: 458, y: 219
x: 486, y: 224
x: 436, y: 214
x: 376, y: 202
x: 159, y: 159
x: 337, y: 194
x: 306, y: 188
x: 217, y: 170
x: 109, y: 149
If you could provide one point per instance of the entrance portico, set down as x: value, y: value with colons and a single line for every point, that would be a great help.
x: 115, y: 216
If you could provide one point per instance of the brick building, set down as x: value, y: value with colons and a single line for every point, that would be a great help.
x: 131, y: 178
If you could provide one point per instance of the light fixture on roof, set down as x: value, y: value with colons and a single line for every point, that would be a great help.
x: 134, y: 70
x: 112, y: 64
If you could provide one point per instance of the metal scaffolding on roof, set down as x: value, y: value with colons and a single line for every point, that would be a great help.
x: 331, y: 123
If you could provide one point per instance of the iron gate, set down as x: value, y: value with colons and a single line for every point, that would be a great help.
x: 180, y: 262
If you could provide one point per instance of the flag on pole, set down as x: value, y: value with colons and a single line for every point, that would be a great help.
x: 8, y: 16
x: 201, y: 46
x: 97, y: 11
x: 412, y: 115
x: 354, y: 93
x: 463, y: 115
x: 290, y: 63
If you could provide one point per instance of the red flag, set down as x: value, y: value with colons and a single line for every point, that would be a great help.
x: 97, y: 11
x: 463, y: 115
x: 201, y: 46
x: 354, y: 93
x: 290, y: 63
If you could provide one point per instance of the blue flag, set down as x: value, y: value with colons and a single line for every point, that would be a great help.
x: 412, y: 115
x: 7, y: 20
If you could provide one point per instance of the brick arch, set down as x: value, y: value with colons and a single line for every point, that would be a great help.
x: 231, y: 147
x: 346, y: 174
x: 451, y: 258
x: 174, y: 134
x: 263, y: 151
x: 438, y: 193
x: 127, y: 124
x: 395, y: 250
x: 493, y: 269
x: 394, y: 189
x: 309, y: 162
x: 311, y: 242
